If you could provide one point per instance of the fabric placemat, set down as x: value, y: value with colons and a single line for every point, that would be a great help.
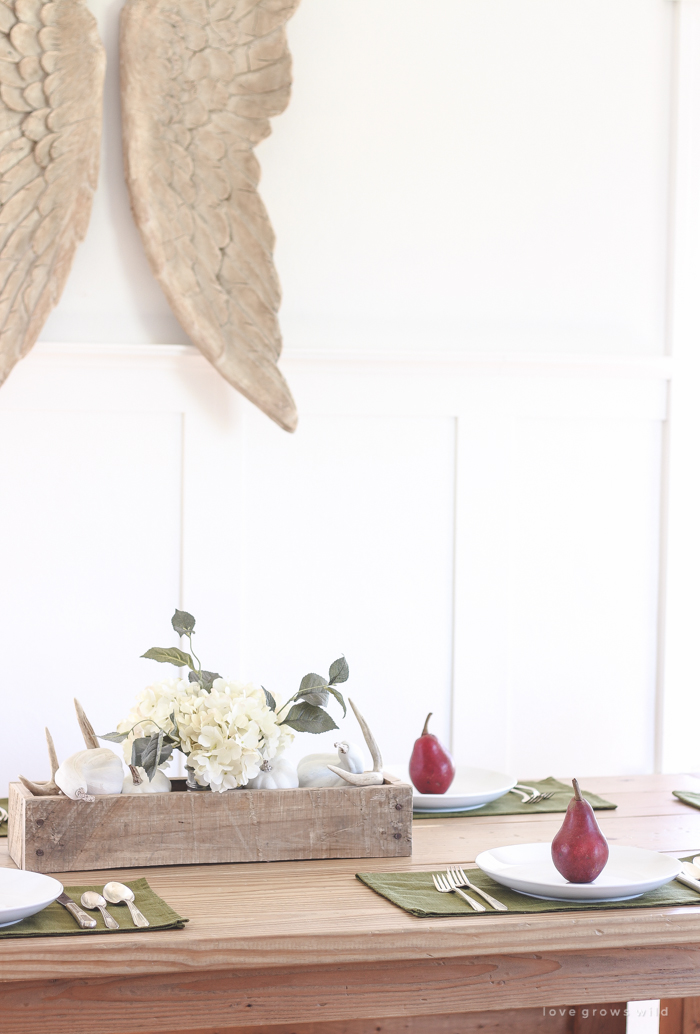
x: 3, y: 825
x: 414, y: 892
x: 688, y: 797
x: 56, y: 921
x: 511, y: 804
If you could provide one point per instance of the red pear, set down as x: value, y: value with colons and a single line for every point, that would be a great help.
x: 579, y: 850
x: 430, y: 768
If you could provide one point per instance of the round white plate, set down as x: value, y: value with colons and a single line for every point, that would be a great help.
x: 528, y: 868
x: 24, y: 893
x: 470, y: 788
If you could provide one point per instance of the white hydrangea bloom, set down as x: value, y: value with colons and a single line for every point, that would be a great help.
x: 226, y: 733
x: 152, y: 710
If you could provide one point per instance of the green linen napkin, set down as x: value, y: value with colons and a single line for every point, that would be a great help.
x: 414, y: 892
x: 687, y: 796
x: 3, y: 825
x: 56, y: 921
x: 511, y: 804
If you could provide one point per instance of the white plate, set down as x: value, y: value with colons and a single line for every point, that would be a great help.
x: 470, y: 788
x: 630, y: 871
x: 24, y: 893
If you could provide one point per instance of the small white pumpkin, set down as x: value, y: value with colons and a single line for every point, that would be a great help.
x: 277, y: 774
x: 88, y: 772
x: 313, y: 769
x: 159, y: 784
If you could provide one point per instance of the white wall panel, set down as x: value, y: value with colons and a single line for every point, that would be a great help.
x: 556, y: 608
x: 680, y: 712
x: 349, y: 530
x: 90, y: 527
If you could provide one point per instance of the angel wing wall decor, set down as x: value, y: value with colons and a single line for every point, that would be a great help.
x: 200, y: 80
x: 51, y: 73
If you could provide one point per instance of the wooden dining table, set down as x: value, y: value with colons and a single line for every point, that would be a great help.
x: 304, y: 948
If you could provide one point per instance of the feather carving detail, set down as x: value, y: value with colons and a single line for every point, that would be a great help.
x: 51, y: 75
x: 200, y: 81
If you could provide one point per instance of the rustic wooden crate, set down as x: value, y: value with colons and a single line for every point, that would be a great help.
x: 55, y: 834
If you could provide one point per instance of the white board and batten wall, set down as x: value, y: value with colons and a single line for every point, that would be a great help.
x: 476, y: 205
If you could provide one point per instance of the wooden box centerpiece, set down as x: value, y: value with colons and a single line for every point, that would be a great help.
x: 56, y: 834
x: 260, y: 807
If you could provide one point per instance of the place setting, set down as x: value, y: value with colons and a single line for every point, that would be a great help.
x: 36, y: 905
x: 443, y: 790
x: 578, y: 870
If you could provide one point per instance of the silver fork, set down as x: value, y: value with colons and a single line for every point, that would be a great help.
x: 445, y: 887
x: 533, y: 796
x: 458, y: 877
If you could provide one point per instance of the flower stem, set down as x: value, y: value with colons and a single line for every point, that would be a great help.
x: 199, y: 669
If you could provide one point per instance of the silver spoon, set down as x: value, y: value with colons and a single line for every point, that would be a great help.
x: 117, y: 893
x: 92, y: 900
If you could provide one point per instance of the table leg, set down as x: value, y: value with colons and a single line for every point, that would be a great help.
x: 682, y: 1016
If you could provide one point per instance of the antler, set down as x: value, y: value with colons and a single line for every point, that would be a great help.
x: 376, y: 776
x: 48, y: 788
x: 369, y: 739
x: 86, y: 728
x: 358, y: 778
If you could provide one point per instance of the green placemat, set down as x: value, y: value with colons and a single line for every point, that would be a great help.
x: 414, y: 892
x: 511, y: 804
x: 3, y: 825
x: 687, y: 796
x: 56, y: 921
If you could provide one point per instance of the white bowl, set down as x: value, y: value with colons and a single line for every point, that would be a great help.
x: 471, y: 788
x: 24, y: 893
x: 528, y: 868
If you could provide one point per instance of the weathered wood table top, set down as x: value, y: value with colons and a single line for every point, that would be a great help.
x: 316, y: 916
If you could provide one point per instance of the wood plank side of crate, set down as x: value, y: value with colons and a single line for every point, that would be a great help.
x: 16, y: 823
x: 54, y: 834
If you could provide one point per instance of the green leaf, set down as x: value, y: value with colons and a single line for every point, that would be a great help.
x: 314, y: 689
x: 151, y: 754
x: 338, y: 672
x: 114, y: 737
x: 269, y: 699
x: 154, y: 753
x: 169, y: 655
x: 339, y: 697
x: 137, y: 749
x: 306, y: 717
x: 204, y: 678
x: 319, y: 697
x: 182, y: 622
x: 312, y: 681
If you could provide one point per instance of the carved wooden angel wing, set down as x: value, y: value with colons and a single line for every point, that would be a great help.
x: 51, y: 73
x: 200, y: 79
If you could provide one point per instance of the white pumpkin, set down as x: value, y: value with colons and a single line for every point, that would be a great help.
x: 313, y: 769
x: 159, y: 784
x: 98, y: 770
x: 277, y: 774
